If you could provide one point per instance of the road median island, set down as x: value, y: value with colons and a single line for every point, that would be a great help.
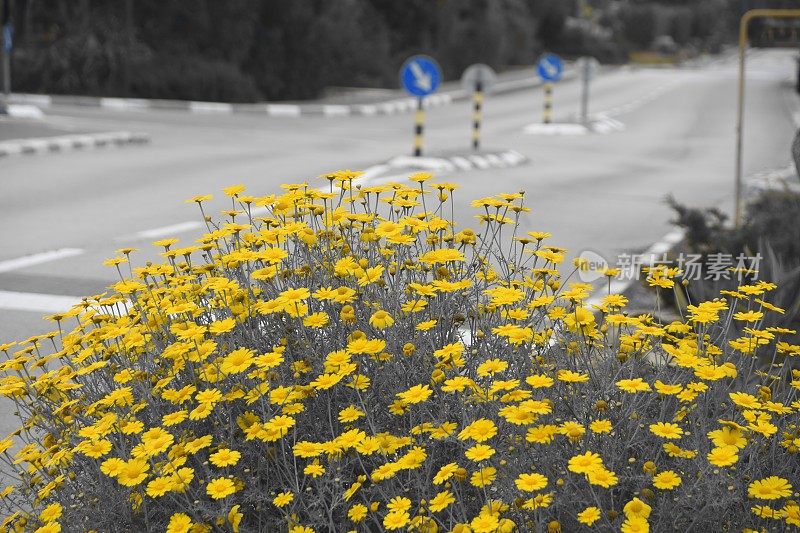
x: 337, y: 356
x: 64, y: 143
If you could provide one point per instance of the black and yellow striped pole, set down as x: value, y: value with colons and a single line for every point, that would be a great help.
x: 477, y: 109
x: 547, y: 117
x: 419, y: 125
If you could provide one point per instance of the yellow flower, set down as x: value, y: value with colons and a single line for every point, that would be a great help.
x: 235, y: 518
x: 224, y: 457
x: 479, y: 452
x: 237, y: 361
x: 443, y: 255
x: 481, y: 430
x: 416, y: 394
x: 445, y: 473
x: 637, y: 508
x: 601, y: 476
x: 133, y: 472
x: 483, y: 477
x: 357, y: 512
x: 542, y: 434
x: 156, y: 440
x: 220, y: 487
x: 283, y: 499
x: 726, y: 436
x: 667, y: 430
x: 635, y: 524
x: 633, y: 385
x: 485, y: 523
x: 723, y: 456
x: 350, y: 414
x: 568, y: 376
x: 159, y: 486
x: 179, y: 523
x: 221, y: 326
x: 399, y: 503
x: 589, y: 516
x: 316, y: 320
x: 770, y: 488
x: 601, y: 426
x: 396, y: 520
x: 666, y: 480
x: 490, y: 367
x: 52, y: 527
x: 381, y: 320
x: 314, y: 469
x: 539, y: 381
x: 531, y: 482
x: 584, y: 463
x: 441, y: 501
x: 51, y: 513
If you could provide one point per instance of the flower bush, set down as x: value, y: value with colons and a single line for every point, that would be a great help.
x: 347, y: 359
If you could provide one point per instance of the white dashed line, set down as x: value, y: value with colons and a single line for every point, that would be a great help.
x: 41, y: 303
x: 166, y: 231
x: 36, y: 259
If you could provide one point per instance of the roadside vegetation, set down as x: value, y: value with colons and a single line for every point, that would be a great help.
x: 250, y: 50
x: 345, y: 358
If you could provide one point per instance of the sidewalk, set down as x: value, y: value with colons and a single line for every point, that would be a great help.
x: 364, y: 102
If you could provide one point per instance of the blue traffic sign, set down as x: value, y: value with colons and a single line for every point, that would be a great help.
x: 550, y: 67
x: 420, y: 75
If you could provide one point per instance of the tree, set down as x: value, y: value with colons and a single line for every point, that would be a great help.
x: 639, y: 24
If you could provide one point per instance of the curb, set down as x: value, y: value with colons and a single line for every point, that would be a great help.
x: 389, y: 107
x: 65, y: 143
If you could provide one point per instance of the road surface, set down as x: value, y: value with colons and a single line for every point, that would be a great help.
x: 599, y: 192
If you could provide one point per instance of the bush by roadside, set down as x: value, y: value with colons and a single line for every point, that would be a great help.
x: 348, y: 359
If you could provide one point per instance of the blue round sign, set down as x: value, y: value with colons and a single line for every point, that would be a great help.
x: 550, y: 67
x: 420, y: 75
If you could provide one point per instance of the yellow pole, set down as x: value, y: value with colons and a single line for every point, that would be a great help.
x: 419, y: 123
x: 548, y: 103
x: 743, y: 24
x: 477, y: 107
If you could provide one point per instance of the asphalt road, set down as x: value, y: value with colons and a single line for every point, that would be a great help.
x: 599, y: 192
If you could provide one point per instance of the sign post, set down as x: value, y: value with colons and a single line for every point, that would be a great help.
x: 550, y: 68
x: 5, y: 55
x: 743, y: 25
x: 420, y: 76
x: 479, y: 79
x: 588, y: 67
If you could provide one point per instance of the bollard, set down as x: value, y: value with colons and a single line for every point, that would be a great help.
x: 477, y: 100
x: 548, y: 103
x: 419, y: 123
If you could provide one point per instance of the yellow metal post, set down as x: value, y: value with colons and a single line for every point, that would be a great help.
x: 477, y: 108
x: 548, y: 103
x: 746, y: 18
x: 419, y: 124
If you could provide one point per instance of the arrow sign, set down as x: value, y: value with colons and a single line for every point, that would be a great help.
x: 422, y: 80
x: 550, y: 67
x: 420, y: 75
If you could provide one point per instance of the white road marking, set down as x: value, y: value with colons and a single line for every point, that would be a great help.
x: 461, y: 163
x: 36, y: 259
x: 25, y: 111
x: 555, y: 129
x: 283, y: 110
x: 649, y: 256
x: 335, y: 110
x: 210, y: 107
x: 166, y: 231
x: 479, y: 161
x: 30, y: 301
